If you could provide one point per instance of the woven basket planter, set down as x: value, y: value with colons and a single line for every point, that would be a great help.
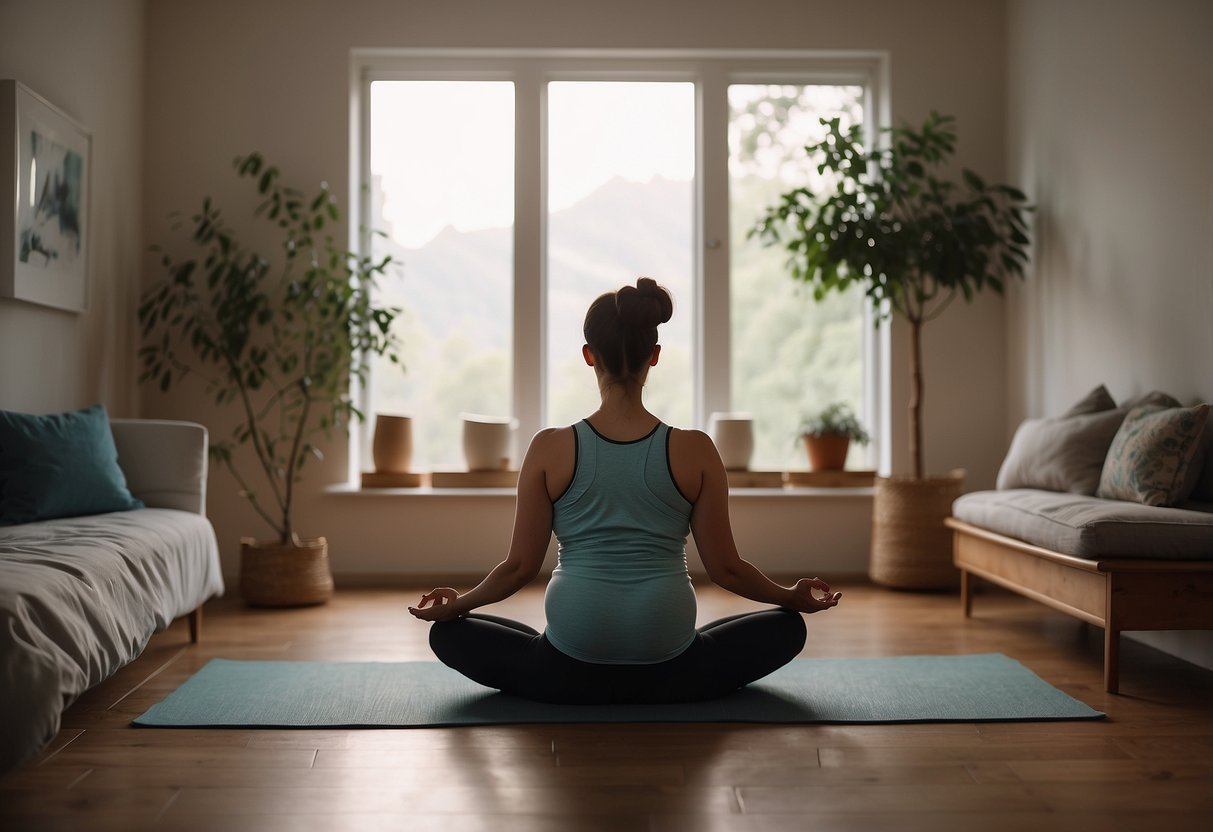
x: 911, y: 547
x: 274, y: 574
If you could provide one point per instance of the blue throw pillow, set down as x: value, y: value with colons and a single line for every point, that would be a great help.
x: 61, y: 465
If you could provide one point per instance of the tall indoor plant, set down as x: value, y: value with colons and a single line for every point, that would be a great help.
x: 278, y: 337
x: 913, y: 241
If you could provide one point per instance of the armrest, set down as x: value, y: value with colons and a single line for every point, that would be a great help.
x: 165, y: 462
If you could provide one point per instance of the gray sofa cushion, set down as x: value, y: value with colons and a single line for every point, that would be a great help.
x: 1089, y: 527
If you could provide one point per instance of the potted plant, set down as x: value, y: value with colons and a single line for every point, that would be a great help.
x: 278, y: 338
x: 913, y: 241
x: 828, y: 434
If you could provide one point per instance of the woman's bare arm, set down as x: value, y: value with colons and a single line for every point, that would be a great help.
x: 528, y: 545
x: 714, y: 538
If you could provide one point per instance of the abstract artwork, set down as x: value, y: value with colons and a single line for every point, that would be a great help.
x: 44, y: 218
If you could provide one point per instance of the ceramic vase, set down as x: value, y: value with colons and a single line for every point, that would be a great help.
x: 733, y: 434
x: 486, y: 442
x: 392, y: 444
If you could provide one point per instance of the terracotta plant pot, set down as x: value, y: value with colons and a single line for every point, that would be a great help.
x: 827, y: 451
x: 911, y: 547
x: 274, y: 574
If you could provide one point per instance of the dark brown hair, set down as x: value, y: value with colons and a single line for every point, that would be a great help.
x: 621, y: 327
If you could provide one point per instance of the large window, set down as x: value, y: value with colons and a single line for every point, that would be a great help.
x: 512, y: 189
x: 621, y: 162
x: 442, y: 201
x: 791, y: 355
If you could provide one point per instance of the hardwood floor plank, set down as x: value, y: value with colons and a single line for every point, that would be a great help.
x: 748, y: 774
x: 1032, y: 821
x: 379, y: 822
x: 1075, y: 749
x: 1111, y: 771
x: 143, y: 803
x: 574, y: 800
x: 405, y: 739
x: 917, y: 797
x: 448, y: 774
x: 195, y: 756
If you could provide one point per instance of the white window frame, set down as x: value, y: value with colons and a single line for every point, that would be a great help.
x: 712, y: 71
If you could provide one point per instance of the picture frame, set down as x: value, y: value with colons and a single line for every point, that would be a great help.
x: 45, y: 171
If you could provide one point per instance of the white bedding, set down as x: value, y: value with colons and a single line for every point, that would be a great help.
x: 80, y: 597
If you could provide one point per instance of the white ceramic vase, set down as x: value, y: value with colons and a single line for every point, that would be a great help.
x: 392, y: 443
x: 733, y: 434
x: 486, y: 442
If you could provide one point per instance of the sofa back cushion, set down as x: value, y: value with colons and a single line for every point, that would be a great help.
x: 60, y: 465
x: 1153, y: 457
x: 1066, y: 452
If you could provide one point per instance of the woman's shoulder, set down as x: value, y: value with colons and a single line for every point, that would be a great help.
x: 692, y: 446
x: 691, y: 439
x: 546, y: 438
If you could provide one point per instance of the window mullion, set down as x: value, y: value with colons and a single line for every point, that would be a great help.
x: 529, y: 257
x: 713, y: 361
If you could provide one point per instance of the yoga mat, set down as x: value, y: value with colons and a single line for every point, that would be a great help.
x: 291, y: 694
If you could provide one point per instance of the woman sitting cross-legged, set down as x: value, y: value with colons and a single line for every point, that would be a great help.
x: 621, y: 491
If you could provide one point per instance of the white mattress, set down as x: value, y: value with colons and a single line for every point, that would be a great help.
x: 80, y: 597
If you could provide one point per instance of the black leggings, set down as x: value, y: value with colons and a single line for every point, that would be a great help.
x: 516, y: 659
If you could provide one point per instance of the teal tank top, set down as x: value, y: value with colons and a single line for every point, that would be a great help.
x: 620, y: 593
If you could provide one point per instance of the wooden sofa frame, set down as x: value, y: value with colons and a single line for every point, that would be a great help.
x: 1116, y: 594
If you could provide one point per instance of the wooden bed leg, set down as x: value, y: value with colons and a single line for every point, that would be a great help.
x: 968, y: 583
x: 195, y: 619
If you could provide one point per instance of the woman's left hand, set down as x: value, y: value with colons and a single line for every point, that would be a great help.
x: 813, y: 595
x: 441, y: 605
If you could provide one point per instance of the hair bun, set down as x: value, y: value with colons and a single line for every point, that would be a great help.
x: 644, y: 305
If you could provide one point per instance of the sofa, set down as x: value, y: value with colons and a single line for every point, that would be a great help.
x: 81, y: 595
x: 1104, y: 513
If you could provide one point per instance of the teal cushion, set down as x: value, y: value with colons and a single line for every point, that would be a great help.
x: 61, y: 465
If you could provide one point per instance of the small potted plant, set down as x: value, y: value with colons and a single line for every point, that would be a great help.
x: 828, y: 435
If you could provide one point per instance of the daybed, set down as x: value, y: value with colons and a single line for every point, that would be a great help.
x: 81, y: 596
x: 1139, y: 557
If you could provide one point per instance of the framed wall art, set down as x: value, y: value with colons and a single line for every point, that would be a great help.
x: 44, y: 220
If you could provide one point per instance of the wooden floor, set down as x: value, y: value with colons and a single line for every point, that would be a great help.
x: 1148, y: 766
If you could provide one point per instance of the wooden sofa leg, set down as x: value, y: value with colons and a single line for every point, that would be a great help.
x: 195, y: 619
x: 1111, y: 658
x: 968, y: 583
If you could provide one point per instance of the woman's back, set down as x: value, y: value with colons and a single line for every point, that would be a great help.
x: 621, y: 593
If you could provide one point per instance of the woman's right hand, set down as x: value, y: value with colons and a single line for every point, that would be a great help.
x: 813, y: 595
x: 441, y: 603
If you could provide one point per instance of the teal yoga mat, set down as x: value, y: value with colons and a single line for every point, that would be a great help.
x: 291, y: 694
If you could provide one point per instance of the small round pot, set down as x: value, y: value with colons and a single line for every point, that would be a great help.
x: 274, y: 574
x: 486, y: 442
x: 733, y: 435
x: 827, y: 451
x: 392, y: 444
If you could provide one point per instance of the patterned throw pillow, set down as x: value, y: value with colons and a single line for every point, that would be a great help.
x: 1150, y: 456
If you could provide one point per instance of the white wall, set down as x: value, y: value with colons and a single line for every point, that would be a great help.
x: 1110, y: 114
x: 87, y: 59
x: 227, y: 77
